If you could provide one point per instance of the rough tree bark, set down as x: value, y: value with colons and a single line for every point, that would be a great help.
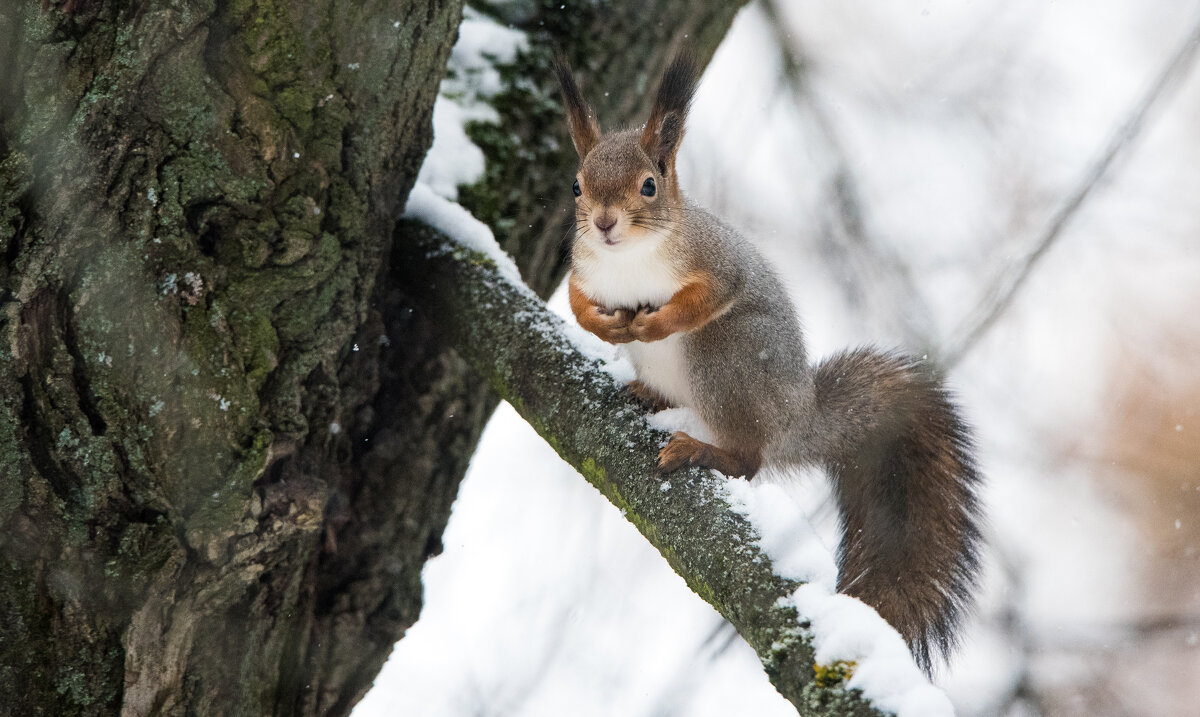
x: 227, y: 442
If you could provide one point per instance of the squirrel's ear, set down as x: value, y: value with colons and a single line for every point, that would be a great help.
x: 584, y: 130
x: 664, y: 129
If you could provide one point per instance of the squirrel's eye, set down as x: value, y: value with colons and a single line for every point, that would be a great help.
x: 575, y: 188
x: 648, y: 187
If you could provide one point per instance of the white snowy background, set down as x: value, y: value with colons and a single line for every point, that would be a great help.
x: 957, y: 133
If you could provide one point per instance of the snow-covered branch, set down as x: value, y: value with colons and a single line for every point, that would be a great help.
x: 828, y: 654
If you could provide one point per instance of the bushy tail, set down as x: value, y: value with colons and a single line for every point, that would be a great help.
x: 905, y: 482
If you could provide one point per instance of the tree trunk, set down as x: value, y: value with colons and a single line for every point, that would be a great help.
x: 227, y: 442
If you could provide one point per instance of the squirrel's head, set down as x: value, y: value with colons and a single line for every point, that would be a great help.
x: 626, y: 190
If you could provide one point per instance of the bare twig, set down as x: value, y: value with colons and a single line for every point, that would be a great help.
x: 1002, y: 292
x: 871, y: 265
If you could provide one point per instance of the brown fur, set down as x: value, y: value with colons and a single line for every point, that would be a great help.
x: 664, y: 129
x: 585, y: 132
x: 905, y: 482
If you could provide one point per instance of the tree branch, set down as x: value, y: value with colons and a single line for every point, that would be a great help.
x: 509, y: 336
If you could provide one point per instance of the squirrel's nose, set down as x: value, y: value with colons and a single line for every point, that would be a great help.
x: 605, y: 221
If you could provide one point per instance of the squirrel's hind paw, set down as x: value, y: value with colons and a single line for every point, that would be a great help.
x: 683, y: 451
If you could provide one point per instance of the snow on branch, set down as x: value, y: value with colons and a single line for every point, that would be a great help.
x: 828, y: 654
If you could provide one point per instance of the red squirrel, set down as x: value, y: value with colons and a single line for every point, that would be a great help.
x: 708, y: 326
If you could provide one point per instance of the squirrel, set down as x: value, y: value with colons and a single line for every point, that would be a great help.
x: 708, y: 326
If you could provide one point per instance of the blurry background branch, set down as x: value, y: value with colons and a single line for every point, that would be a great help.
x: 1004, y: 288
x: 873, y: 274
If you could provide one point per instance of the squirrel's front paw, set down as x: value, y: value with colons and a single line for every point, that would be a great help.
x: 650, y: 324
x: 612, y: 326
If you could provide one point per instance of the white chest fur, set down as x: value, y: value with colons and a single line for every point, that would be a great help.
x: 627, y: 277
x: 636, y: 276
x: 662, y: 365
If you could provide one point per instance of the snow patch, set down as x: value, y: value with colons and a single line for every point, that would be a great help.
x: 457, y: 223
x: 847, y: 629
x: 471, y: 79
x: 843, y: 628
x: 787, y: 536
x: 682, y: 419
x: 482, y: 45
x: 453, y: 159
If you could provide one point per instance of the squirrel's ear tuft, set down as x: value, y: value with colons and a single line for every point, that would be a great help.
x: 664, y: 129
x: 584, y: 130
